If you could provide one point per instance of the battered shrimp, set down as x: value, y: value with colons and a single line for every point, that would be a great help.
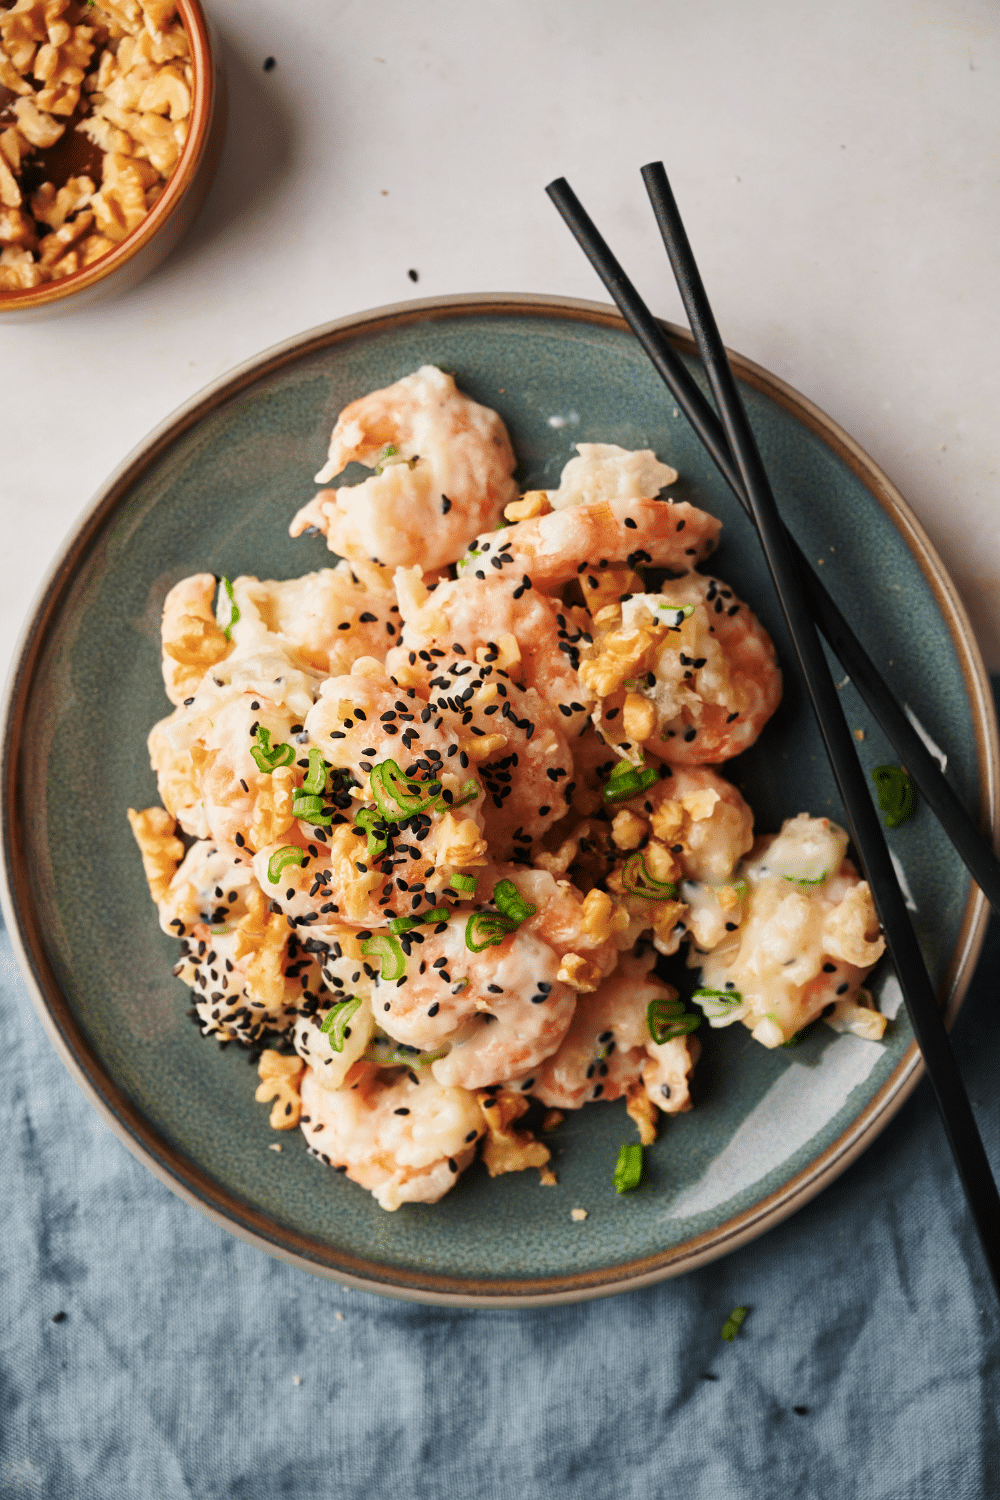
x: 551, y: 550
x: 494, y: 621
x: 688, y: 674
x: 603, y: 471
x: 608, y: 1048
x: 404, y: 1139
x: 326, y: 620
x: 809, y: 939
x: 248, y: 972
x: 699, y: 815
x: 443, y: 467
x: 500, y: 1010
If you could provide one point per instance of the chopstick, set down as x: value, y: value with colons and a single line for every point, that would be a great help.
x: 866, y: 830
x: 970, y: 845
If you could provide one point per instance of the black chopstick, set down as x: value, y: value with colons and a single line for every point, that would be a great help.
x: 866, y: 830
x: 972, y: 848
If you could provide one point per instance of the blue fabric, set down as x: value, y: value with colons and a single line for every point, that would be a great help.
x: 173, y: 1373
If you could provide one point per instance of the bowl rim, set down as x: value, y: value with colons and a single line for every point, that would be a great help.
x: 196, y: 25
x: 224, y: 1207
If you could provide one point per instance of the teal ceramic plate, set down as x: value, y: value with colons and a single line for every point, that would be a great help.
x: 215, y: 488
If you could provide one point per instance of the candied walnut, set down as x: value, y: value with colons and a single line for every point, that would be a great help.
x: 13, y: 146
x: 640, y: 1108
x: 263, y: 935
x: 55, y: 247
x: 272, y: 813
x: 166, y: 94
x: 54, y: 208
x: 61, y: 65
x: 196, y: 642
x: 10, y: 193
x: 17, y: 229
x: 628, y: 830
x: 638, y: 718
x: 11, y: 79
x: 602, y: 919
x: 608, y: 586
x: 107, y: 136
x: 18, y: 271
x: 121, y: 17
x: 161, y: 850
x: 120, y: 206
x: 40, y: 130
x: 621, y: 656
x: 483, y: 747
x: 579, y: 973
x: 93, y: 247
x: 502, y: 654
x: 24, y: 26
x: 506, y: 1149
x: 159, y: 12
x: 458, y: 843
x: 534, y: 503
x: 280, y: 1078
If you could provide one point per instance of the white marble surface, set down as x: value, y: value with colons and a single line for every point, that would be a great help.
x: 835, y: 161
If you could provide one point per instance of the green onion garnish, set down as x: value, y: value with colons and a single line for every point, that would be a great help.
x: 290, y: 854
x: 386, y: 948
x: 269, y: 758
x: 315, y: 779
x: 797, y: 880
x: 374, y: 825
x: 389, y: 451
x: 485, y: 929
x: 510, y: 903
x: 666, y: 1019
x: 404, y: 924
x: 470, y: 791
x: 727, y: 997
x: 637, y: 880
x: 306, y: 805
x: 235, y: 614
x: 464, y: 882
x: 896, y: 796
x: 409, y: 1057
x: 734, y: 1323
x: 390, y: 790
x: 336, y: 1021
x: 627, y: 780
x: 628, y: 1168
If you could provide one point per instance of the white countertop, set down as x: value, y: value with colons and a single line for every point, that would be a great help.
x: 835, y: 161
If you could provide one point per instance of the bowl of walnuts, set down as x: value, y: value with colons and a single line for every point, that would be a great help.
x: 112, y: 114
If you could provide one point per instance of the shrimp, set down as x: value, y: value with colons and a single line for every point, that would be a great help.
x: 608, y: 1048
x: 499, y: 1010
x: 603, y: 471
x: 551, y: 550
x: 325, y: 620
x: 249, y: 973
x: 699, y: 815
x: 688, y: 674
x: 494, y: 621
x: 443, y: 467
x: 403, y: 1138
x: 808, y: 941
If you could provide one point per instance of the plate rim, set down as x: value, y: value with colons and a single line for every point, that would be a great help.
x: 193, y: 1184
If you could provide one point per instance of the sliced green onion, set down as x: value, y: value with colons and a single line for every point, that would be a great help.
x: 389, y: 451
x: 470, y: 791
x: 666, y: 1019
x: 336, y: 1021
x: 795, y: 880
x: 315, y: 779
x: 485, y: 929
x: 374, y: 826
x: 511, y: 904
x: 726, y: 997
x: 637, y: 880
x: 399, y: 1054
x: 221, y: 931
x: 306, y: 804
x: 404, y: 924
x: 682, y: 612
x: 742, y: 889
x: 290, y: 854
x: 269, y: 758
x: 386, y: 948
x: 394, y: 801
x: 628, y: 1168
x: 235, y: 614
x: 896, y: 796
x: 465, y: 883
x: 627, y: 780
x: 734, y: 1323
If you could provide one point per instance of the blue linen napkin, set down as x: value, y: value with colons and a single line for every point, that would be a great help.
x: 146, y: 1353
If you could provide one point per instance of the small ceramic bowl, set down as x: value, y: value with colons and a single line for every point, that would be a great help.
x: 169, y: 218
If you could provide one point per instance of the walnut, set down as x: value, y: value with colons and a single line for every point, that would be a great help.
x: 61, y: 65
x: 18, y: 270
x: 40, y: 130
x: 579, y: 973
x: 640, y: 1108
x: 638, y: 718
x: 120, y: 206
x: 161, y: 851
x: 280, y: 1078
x: 506, y: 1149
x: 623, y: 654
x: 272, y: 813
x: 11, y: 79
x: 93, y: 247
x: 502, y: 654
x: 534, y: 503
x: 54, y: 208
x: 602, y: 919
x: 56, y: 245
x: 10, y: 193
x: 17, y: 229
x: 607, y: 585
x: 482, y: 747
x: 166, y: 94
x: 458, y: 843
x: 196, y: 642
x: 628, y: 830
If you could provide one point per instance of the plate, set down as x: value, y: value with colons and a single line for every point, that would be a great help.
x: 214, y: 488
